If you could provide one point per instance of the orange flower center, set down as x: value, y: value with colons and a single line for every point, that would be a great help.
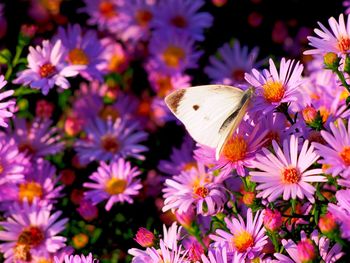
x: 179, y: 21
x: 109, y: 112
x: 29, y: 191
x: 107, y: 9
x: 290, y: 175
x: 78, y: 57
x: 188, y: 166
x: 115, y: 62
x: 47, y: 70
x: 345, y: 155
x: 22, y: 252
x: 110, y: 143
x: 344, y: 44
x: 238, y: 75
x: 32, y: 237
x: 143, y: 17
x: 273, y: 91
x: 173, y: 55
x: 1, y: 168
x: 115, y: 186
x: 164, y: 85
x: 242, y: 241
x: 235, y: 149
x: 201, y: 191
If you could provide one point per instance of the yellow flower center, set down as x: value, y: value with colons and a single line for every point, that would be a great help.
x: 179, y: 21
x: 29, y: 191
x: 238, y: 75
x: 107, y: 9
x: 109, y: 112
x: 22, y: 252
x: 344, y: 95
x: 201, y: 191
x: 110, y: 143
x: 188, y: 166
x: 235, y: 149
x: 32, y: 237
x: 77, y: 56
x: 47, y: 70
x: 242, y: 241
x: 44, y: 260
x: 115, y: 186
x: 273, y: 91
x: 344, y: 44
x: 143, y: 17
x: 290, y: 175
x: 345, y: 155
x: 173, y: 55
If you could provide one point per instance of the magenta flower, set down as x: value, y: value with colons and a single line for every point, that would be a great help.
x: 197, y: 188
x: 341, y: 211
x: 273, y: 87
x: 219, y: 255
x: 247, y: 239
x: 286, y: 172
x: 116, y: 182
x: 336, y: 155
x: 77, y: 259
x: 47, y: 68
x: 231, y: 63
x: 29, y: 231
x: 5, y: 106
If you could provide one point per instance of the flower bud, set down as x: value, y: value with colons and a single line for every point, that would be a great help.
x: 306, y: 251
x: 309, y: 114
x: 185, y: 218
x: 67, y: 176
x: 44, y: 109
x: 144, y: 237
x: 73, y: 125
x: 272, y: 219
x: 327, y: 223
x: 219, y: 3
x: 80, y: 240
x: 87, y: 210
x: 331, y: 61
x: 248, y: 198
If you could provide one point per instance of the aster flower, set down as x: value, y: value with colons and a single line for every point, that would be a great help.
x: 336, y: 155
x: 5, y: 106
x: 286, y: 172
x: 247, y: 239
x: 341, y: 211
x: 173, y: 53
x: 183, y: 17
x: 31, y: 230
x: 219, y: 255
x: 107, y: 140
x: 337, y: 40
x: 229, y: 66
x: 116, y: 182
x: 83, y: 49
x: 197, y: 188
x: 36, y: 139
x: 274, y: 88
x: 47, y: 68
x: 346, y: 4
x: 77, y: 259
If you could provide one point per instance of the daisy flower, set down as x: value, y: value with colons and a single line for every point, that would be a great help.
x: 337, y: 40
x: 47, y: 68
x: 247, y: 239
x: 231, y: 63
x: 173, y: 53
x: 286, y: 172
x: 31, y: 230
x: 77, y: 259
x: 107, y: 140
x: 195, y: 188
x: 273, y: 87
x: 336, y: 155
x: 115, y: 182
x: 183, y: 17
x: 219, y: 255
x: 83, y: 49
x: 5, y: 107
x: 341, y: 211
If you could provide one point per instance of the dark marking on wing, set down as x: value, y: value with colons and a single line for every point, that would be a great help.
x: 195, y: 107
x: 234, y: 114
x: 174, y: 99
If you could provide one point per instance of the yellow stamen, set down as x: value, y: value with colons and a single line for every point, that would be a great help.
x: 344, y: 44
x: 29, y: 191
x: 47, y: 70
x: 32, y: 237
x: 345, y: 155
x: 116, y: 186
x: 290, y: 175
x: 273, y: 91
x: 173, y: 55
x: 235, y: 149
x: 77, y: 56
x: 242, y: 241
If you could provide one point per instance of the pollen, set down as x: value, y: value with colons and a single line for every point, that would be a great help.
x: 77, y: 56
x: 290, y: 175
x: 115, y: 186
x: 110, y: 143
x: 29, y: 191
x: 173, y: 56
x: 22, y: 252
x: 143, y: 17
x: 201, y: 191
x: 235, y: 149
x: 344, y: 44
x: 179, y: 21
x: 47, y: 70
x: 242, y: 241
x: 107, y: 9
x: 31, y: 236
x: 273, y: 91
x: 345, y: 155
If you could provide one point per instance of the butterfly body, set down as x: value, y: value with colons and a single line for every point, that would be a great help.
x: 210, y: 113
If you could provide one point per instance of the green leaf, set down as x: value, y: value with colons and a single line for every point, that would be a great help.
x: 5, y: 56
x: 23, y: 90
x: 63, y: 98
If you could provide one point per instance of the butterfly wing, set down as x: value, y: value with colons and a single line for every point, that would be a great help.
x: 208, y: 112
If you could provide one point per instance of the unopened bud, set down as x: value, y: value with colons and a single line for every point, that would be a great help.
x: 331, y: 60
x: 327, y: 223
x: 144, y: 237
x: 272, y: 219
x: 306, y: 251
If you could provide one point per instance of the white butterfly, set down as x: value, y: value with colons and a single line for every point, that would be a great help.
x: 210, y: 113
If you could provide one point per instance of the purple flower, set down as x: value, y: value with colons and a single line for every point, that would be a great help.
x: 116, y: 182
x: 77, y: 259
x: 31, y: 230
x: 5, y: 106
x: 107, y: 140
x: 341, y: 212
x: 47, y: 68
x: 286, y: 172
x: 219, y: 255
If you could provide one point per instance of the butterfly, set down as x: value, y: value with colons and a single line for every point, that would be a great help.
x: 210, y: 113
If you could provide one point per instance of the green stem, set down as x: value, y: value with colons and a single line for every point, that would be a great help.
x: 342, y: 79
